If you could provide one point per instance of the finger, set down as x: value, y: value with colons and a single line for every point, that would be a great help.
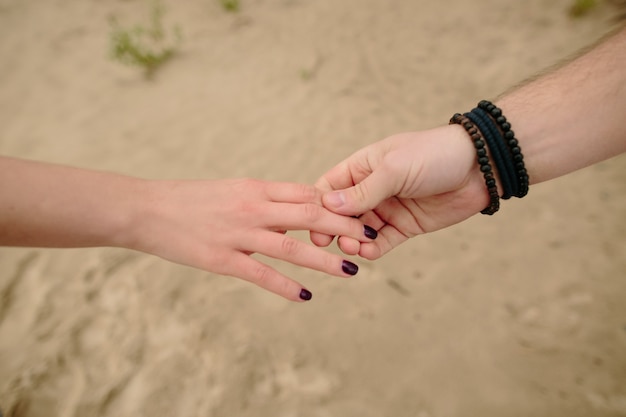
x: 403, y: 214
x: 399, y: 224
x: 321, y: 239
x: 353, y: 169
x: 348, y: 245
x: 297, y: 193
x: 266, y: 277
x: 326, y: 184
x: 299, y: 253
x: 372, y: 219
x: 363, y: 196
x: 351, y: 246
x: 287, y: 192
x: 395, y: 223
x: 323, y: 184
x: 315, y: 218
x: 337, y: 178
x: 388, y: 238
x: 347, y: 173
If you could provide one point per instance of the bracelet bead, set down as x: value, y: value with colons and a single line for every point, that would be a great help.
x: 496, y: 112
x: 508, y: 136
x: 483, y: 162
x: 498, y: 149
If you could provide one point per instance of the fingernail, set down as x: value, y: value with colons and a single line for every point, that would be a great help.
x: 305, y: 294
x: 370, y: 232
x: 349, y: 268
x: 335, y: 199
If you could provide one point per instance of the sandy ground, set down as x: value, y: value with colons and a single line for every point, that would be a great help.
x: 522, y: 314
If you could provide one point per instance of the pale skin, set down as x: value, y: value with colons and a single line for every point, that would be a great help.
x: 419, y: 182
x: 405, y: 185
x: 211, y: 225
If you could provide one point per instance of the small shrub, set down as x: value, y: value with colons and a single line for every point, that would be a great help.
x: 145, y: 47
x: 230, y: 5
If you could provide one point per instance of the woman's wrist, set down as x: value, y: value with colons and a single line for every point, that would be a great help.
x: 129, y: 220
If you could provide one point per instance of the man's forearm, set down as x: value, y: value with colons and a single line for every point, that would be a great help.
x: 574, y: 116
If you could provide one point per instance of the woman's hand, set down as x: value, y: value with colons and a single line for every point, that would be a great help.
x: 212, y: 225
x: 216, y: 225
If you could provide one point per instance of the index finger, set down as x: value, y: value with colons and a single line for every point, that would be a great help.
x: 337, y: 178
x: 313, y: 217
x: 353, y: 169
x: 289, y: 192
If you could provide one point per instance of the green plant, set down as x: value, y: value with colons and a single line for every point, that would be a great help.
x: 581, y: 7
x: 230, y: 5
x: 145, y: 47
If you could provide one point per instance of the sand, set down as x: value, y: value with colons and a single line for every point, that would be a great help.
x: 520, y: 314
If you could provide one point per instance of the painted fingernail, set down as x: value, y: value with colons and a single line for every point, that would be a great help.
x: 349, y: 268
x: 305, y: 294
x: 370, y: 232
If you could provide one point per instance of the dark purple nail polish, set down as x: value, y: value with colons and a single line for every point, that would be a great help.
x: 349, y: 268
x: 370, y: 232
x: 305, y: 294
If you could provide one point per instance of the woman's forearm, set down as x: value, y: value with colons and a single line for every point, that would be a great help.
x: 212, y: 225
x: 574, y: 116
x: 48, y: 205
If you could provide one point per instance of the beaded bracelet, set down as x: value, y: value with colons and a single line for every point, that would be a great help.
x: 513, y: 145
x: 492, y: 139
x: 483, y: 161
x: 498, y: 151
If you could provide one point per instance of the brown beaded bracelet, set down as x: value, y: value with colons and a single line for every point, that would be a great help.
x: 483, y: 162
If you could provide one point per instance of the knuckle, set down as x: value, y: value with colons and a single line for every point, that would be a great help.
x: 309, y: 193
x: 245, y: 185
x: 312, y: 212
x: 247, y: 207
x: 263, y: 275
x: 360, y: 192
x: 251, y: 182
x: 290, y: 246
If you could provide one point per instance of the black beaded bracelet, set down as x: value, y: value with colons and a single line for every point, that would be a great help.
x: 515, y: 152
x: 497, y: 149
x: 483, y: 161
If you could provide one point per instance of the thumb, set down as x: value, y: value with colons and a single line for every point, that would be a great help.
x: 361, y: 197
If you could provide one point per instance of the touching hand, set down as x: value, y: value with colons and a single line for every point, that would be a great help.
x: 216, y: 225
x: 403, y: 186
